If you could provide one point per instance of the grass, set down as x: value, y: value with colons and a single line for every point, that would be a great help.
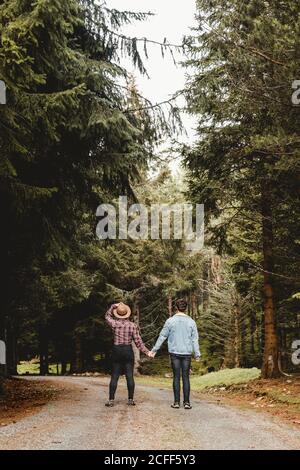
x: 33, y: 368
x: 284, y: 398
x: 222, y: 378
x: 154, y: 381
x: 162, y: 366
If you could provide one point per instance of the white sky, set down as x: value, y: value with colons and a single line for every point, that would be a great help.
x: 173, y: 19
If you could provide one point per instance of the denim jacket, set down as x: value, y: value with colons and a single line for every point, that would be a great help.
x: 182, y: 335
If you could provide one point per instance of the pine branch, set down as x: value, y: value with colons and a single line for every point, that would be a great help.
x: 253, y: 50
x: 153, y: 106
x: 262, y: 54
x: 163, y: 44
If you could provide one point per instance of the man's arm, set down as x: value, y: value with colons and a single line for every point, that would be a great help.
x: 162, y: 337
x: 138, y: 341
x: 195, y: 341
x: 109, y: 316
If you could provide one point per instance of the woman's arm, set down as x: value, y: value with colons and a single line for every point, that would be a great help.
x: 139, y: 342
x: 109, y: 316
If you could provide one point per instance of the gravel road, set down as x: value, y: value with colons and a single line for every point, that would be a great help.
x: 78, y: 419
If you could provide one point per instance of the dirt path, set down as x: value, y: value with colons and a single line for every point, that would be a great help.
x: 77, y: 419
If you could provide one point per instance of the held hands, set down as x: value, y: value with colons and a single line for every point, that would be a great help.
x: 151, y: 354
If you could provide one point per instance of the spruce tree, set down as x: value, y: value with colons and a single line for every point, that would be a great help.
x: 67, y: 142
x: 246, y: 160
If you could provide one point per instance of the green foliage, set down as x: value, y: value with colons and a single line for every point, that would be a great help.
x: 245, y: 57
x: 76, y: 132
x: 67, y: 143
x: 33, y: 368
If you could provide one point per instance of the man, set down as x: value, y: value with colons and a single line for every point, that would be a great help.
x: 183, y: 340
x: 124, y: 332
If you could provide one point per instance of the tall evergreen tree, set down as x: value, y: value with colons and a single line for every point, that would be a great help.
x: 67, y: 142
x: 246, y: 163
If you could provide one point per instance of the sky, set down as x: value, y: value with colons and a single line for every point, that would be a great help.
x: 172, y: 20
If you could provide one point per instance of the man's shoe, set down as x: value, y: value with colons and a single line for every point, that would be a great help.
x: 175, y: 405
x: 110, y: 403
x: 131, y: 402
x: 187, y: 406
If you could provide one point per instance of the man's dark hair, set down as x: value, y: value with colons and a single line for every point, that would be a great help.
x: 181, y: 305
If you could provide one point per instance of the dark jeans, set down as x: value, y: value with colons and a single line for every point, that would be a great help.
x: 181, y: 364
x: 122, y: 362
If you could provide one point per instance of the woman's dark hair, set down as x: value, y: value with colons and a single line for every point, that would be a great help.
x: 181, y: 305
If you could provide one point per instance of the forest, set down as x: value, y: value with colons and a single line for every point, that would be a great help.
x: 76, y: 132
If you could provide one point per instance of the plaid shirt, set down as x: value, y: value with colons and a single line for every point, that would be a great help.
x: 125, y: 331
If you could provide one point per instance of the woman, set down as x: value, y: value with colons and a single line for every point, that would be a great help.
x: 124, y: 332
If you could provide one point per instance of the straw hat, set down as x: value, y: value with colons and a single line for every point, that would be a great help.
x: 122, y: 311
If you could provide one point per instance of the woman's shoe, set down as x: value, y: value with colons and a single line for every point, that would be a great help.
x: 175, y: 405
x: 131, y: 402
x: 110, y: 403
x: 187, y: 406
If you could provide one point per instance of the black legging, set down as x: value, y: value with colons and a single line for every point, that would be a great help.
x: 181, y: 364
x: 122, y: 362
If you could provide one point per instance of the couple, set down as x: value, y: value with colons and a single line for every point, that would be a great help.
x: 181, y: 332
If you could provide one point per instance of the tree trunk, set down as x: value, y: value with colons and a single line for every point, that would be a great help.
x: 11, y: 349
x: 270, y: 367
x: 63, y: 357
x: 237, y: 352
x: 43, y: 346
x: 170, y: 309
x: 283, y: 345
x: 63, y: 367
x: 253, y: 327
x: 136, y: 351
x: 216, y: 269
x: 78, y: 363
x: 194, y: 306
x: 3, y: 368
x: 206, y: 279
